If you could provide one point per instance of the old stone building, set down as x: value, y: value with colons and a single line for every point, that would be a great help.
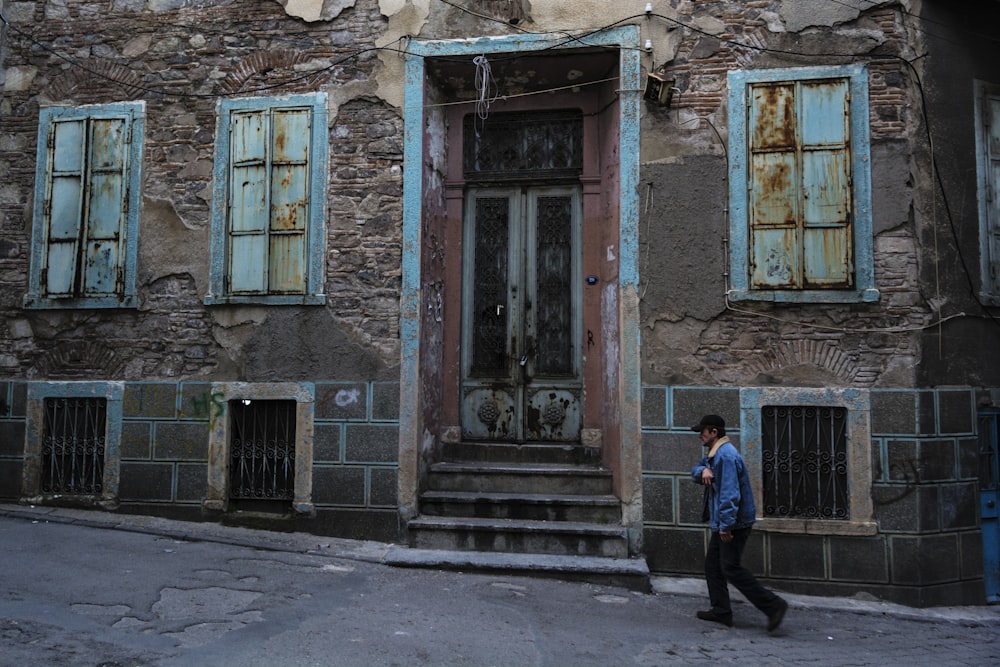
x: 460, y: 274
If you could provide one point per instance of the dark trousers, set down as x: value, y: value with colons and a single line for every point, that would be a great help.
x: 722, y: 566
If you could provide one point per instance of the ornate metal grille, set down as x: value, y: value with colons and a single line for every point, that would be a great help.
x: 489, y: 332
x: 262, y: 450
x: 804, y: 452
x: 73, y: 443
x: 553, y: 301
x: 514, y: 146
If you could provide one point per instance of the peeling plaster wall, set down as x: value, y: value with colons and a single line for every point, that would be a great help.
x: 690, y: 336
x: 180, y: 56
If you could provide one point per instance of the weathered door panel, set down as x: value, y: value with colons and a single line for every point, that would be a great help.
x: 825, y: 187
x: 291, y: 135
x: 772, y: 117
x: 775, y: 257
x: 489, y: 391
x: 287, y: 263
x: 824, y: 112
x: 521, y: 365
x: 826, y: 250
x: 247, y: 262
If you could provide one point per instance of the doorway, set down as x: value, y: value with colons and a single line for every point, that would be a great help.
x: 521, y: 367
x: 595, y: 87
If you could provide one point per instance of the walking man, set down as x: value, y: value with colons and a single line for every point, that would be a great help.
x: 730, y: 511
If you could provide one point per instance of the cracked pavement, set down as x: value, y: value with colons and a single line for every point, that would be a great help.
x: 78, y: 593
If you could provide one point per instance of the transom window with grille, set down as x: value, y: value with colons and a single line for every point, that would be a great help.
x: 269, y: 200
x: 262, y: 450
x: 523, y: 146
x: 86, y: 207
x: 804, y: 462
x: 73, y: 446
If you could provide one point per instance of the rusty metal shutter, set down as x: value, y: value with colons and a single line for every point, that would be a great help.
x: 86, y: 206
x: 800, y: 184
x: 269, y: 201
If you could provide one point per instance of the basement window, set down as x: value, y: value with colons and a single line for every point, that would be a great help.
x: 73, y: 443
x: 809, y: 451
x: 260, y: 446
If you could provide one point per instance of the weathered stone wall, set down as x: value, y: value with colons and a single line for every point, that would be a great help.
x: 181, y: 57
x: 692, y: 333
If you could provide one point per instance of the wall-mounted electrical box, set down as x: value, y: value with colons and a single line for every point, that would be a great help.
x: 659, y: 89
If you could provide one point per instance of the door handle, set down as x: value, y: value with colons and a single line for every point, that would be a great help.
x: 989, y: 503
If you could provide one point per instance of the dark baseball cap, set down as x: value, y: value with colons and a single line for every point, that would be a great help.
x: 710, y: 421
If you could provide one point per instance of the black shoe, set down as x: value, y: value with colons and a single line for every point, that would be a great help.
x: 774, y: 620
x: 725, y: 619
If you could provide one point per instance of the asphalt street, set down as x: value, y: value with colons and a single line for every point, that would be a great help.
x: 101, y: 590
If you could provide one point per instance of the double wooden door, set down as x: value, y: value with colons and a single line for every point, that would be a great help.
x: 521, y: 321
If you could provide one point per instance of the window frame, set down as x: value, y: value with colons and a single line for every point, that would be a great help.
x: 125, y: 297
x: 857, y: 402
x: 219, y: 434
x: 113, y: 392
x: 315, y: 233
x: 862, y: 243
x: 987, y: 195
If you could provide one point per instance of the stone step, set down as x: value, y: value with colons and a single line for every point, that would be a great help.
x: 600, y: 509
x: 530, y: 452
x: 551, y: 478
x: 629, y: 573
x: 564, y: 538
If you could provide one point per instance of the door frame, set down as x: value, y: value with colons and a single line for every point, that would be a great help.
x: 424, y: 197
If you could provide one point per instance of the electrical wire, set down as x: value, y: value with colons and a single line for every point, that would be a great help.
x: 570, y: 39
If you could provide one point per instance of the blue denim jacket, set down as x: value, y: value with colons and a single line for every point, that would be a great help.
x: 730, y: 501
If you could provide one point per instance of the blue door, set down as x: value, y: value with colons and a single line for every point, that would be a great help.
x: 989, y: 474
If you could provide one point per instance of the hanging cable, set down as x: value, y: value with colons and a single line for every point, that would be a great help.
x: 486, y: 90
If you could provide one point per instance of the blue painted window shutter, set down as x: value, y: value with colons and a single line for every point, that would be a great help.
x: 268, y: 237
x: 87, y: 199
x: 800, y: 185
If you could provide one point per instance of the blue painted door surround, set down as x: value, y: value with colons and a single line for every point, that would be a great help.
x: 621, y: 296
x: 989, y: 481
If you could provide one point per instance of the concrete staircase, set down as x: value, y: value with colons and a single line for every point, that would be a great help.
x: 534, y: 509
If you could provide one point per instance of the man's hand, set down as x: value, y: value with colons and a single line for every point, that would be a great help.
x: 725, y: 536
x: 706, y: 476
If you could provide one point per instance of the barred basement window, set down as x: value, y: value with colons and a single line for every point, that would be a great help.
x: 804, y: 462
x: 73, y: 445
x: 262, y: 450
